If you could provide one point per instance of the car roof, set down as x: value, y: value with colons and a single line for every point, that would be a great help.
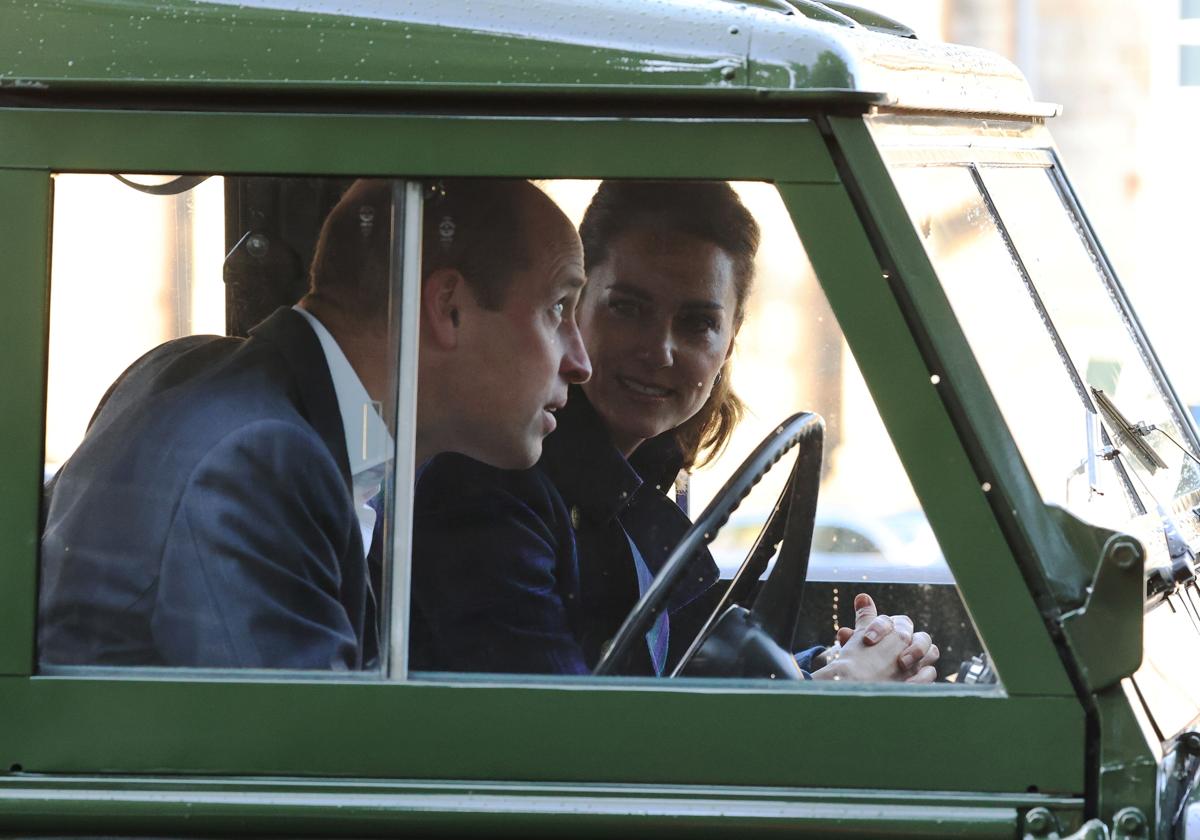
x: 757, y: 50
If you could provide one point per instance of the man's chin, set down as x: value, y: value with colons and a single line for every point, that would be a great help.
x: 519, y: 459
x: 532, y: 454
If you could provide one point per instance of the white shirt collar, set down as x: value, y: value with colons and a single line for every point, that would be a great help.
x: 368, y: 444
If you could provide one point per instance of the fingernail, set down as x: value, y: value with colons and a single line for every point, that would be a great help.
x: 872, y: 635
x: 906, y: 660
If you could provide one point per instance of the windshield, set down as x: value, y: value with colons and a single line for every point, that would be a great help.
x: 1095, y: 425
x: 1070, y: 282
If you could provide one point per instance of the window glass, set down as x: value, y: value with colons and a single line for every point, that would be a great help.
x: 1040, y: 393
x: 1189, y: 64
x: 1098, y: 338
x: 227, y: 505
x: 533, y: 572
x: 834, y: 540
x: 152, y: 265
x: 219, y: 462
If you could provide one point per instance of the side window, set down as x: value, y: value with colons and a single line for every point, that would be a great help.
x: 130, y: 270
x: 236, y: 407
x: 705, y: 329
x: 219, y: 462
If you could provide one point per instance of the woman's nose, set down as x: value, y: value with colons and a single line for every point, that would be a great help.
x: 657, y: 348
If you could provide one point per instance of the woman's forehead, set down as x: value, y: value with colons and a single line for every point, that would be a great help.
x: 656, y: 266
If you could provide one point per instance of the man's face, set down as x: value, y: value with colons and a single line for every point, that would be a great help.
x: 525, y: 354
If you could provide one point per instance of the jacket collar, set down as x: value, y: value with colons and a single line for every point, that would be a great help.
x: 588, y: 469
x: 288, y: 332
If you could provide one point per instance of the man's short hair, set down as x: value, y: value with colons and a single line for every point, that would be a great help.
x: 474, y: 225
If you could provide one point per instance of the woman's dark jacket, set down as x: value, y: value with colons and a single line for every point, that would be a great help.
x: 531, y: 571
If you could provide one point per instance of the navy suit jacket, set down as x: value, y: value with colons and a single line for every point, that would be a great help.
x: 207, y: 517
x: 530, y: 571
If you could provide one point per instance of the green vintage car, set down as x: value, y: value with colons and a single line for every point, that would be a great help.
x: 927, y: 283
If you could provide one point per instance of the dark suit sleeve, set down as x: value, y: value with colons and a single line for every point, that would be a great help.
x: 252, y: 565
x: 493, y: 570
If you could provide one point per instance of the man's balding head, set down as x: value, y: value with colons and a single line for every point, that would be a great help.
x: 501, y: 271
x: 503, y: 268
x: 479, y: 227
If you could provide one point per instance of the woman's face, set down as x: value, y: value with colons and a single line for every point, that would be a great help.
x: 657, y: 321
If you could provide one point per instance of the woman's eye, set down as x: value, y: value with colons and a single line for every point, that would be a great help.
x: 700, y: 323
x: 627, y: 308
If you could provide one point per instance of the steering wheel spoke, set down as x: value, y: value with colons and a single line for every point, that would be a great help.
x: 760, y: 637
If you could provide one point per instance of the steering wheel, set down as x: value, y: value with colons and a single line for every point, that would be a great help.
x: 735, y: 641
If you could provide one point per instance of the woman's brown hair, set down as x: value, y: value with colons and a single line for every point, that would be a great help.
x: 707, y: 210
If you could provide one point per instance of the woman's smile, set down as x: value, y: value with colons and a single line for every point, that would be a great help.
x: 657, y: 321
x: 644, y: 389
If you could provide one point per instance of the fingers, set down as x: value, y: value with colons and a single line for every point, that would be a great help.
x: 843, y: 635
x: 925, y: 675
x: 864, y: 610
x: 901, y: 625
x: 917, y: 650
x: 868, y: 619
x: 880, y: 626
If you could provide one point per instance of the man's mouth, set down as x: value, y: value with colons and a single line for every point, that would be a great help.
x: 645, y: 389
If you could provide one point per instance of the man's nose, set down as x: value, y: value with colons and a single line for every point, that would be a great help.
x: 576, y: 366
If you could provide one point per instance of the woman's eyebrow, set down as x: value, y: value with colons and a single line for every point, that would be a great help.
x: 706, y: 305
x: 631, y: 291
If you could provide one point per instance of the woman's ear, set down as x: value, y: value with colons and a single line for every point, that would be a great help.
x: 440, y: 295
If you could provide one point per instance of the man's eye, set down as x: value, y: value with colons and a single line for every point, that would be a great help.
x: 558, y: 309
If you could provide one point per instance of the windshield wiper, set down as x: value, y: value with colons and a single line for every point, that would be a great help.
x: 1128, y: 436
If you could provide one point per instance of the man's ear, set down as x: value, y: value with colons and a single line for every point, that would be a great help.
x: 441, y: 293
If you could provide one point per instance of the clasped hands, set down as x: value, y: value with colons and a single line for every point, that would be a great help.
x: 879, y: 648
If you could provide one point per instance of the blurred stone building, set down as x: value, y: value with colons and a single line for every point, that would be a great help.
x: 1127, y: 75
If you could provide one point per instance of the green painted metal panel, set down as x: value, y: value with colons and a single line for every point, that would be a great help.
x: 929, y: 446
x: 404, y: 145
x: 330, y: 808
x: 1127, y: 765
x: 25, y: 220
x: 602, y: 43
x: 549, y: 730
x: 651, y: 52
x: 605, y: 47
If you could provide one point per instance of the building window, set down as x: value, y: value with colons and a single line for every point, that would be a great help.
x: 1189, y: 64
